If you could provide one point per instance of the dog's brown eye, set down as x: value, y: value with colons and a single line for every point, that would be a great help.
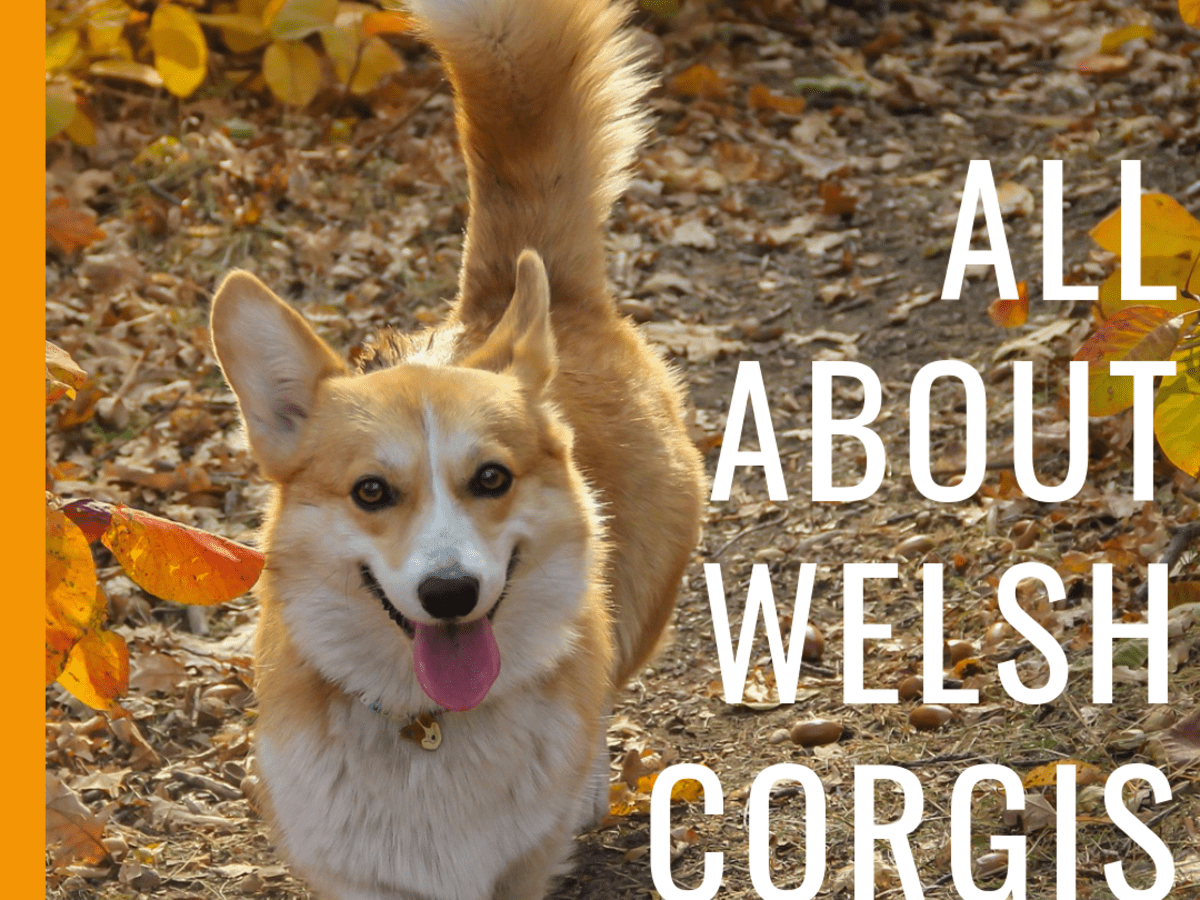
x: 492, y: 480
x: 372, y: 493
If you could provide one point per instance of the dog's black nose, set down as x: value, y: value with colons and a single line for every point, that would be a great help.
x: 448, y: 598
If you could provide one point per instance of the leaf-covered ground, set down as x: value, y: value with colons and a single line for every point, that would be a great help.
x: 757, y: 227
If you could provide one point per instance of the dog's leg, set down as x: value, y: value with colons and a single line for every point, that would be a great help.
x: 528, y: 877
x: 599, y: 776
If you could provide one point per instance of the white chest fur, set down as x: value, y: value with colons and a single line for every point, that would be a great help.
x: 365, y: 814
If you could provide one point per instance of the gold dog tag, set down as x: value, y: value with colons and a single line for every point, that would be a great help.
x: 423, y: 730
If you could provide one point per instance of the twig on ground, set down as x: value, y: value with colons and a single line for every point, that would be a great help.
x: 1183, y: 536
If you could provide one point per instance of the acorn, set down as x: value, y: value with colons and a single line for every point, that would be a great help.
x: 911, y: 688
x: 915, y: 545
x: 929, y: 717
x: 815, y: 732
x: 960, y: 650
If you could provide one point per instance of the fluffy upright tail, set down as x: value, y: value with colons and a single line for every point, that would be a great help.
x: 549, y: 116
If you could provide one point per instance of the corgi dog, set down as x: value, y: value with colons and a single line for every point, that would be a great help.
x: 477, y: 535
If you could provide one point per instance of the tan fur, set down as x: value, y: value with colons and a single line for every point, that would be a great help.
x: 533, y: 370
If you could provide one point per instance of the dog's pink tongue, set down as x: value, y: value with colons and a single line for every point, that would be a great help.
x: 456, y: 664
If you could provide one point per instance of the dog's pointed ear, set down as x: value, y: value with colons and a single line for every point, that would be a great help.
x: 523, y: 342
x: 274, y: 362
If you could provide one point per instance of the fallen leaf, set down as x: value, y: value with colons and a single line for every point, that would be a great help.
x: 835, y: 200
x: 1119, y: 37
x: 70, y: 229
x: 63, y: 375
x: 759, y: 96
x: 1011, y: 313
x: 1181, y: 742
x: 1102, y: 64
x: 693, y: 233
x: 73, y: 832
x: 699, y: 81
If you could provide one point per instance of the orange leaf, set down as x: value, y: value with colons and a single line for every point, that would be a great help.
x: 835, y: 199
x: 92, y: 517
x: 72, y: 602
x: 97, y: 672
x: 699, y: 81
x: 1011, y: 313
x: 762, y: 97
x: 70, y: 229
x: 387, y: 22
x: 179, y: 563
x: 1136, y: 333
x: 1189, y: 11
x: 1180, y: 593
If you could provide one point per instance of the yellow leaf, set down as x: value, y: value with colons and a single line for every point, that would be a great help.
x: 1047, y: 775
x: 687, y: 789
x: 60, y: 49
x: 97, y: 672
x: 624, y: 802
x: 180, y: 51
x: 1155, y: 270
x: 241, y: 33
x: 1117, y: 38
x: 179, y: 563
x: 341, y: 46
x: 376, y: 61
x: 292, y: 70
x: 106, y: 20
x: 1167, y: 228
x: 82, y: 130
x: 71, y: 590
x: 291, y: 20
x: 127, y: 70
x: 1189, y: 11
x: 1177, y: 419
x: 60, y: 107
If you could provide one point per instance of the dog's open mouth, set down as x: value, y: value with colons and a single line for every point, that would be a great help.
x: 455, y: 663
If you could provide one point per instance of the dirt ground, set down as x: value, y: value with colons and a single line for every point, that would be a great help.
x: 754, y: 230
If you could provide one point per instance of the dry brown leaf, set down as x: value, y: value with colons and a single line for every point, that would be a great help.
x: 73, y: 832
x: 1181, y: 743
